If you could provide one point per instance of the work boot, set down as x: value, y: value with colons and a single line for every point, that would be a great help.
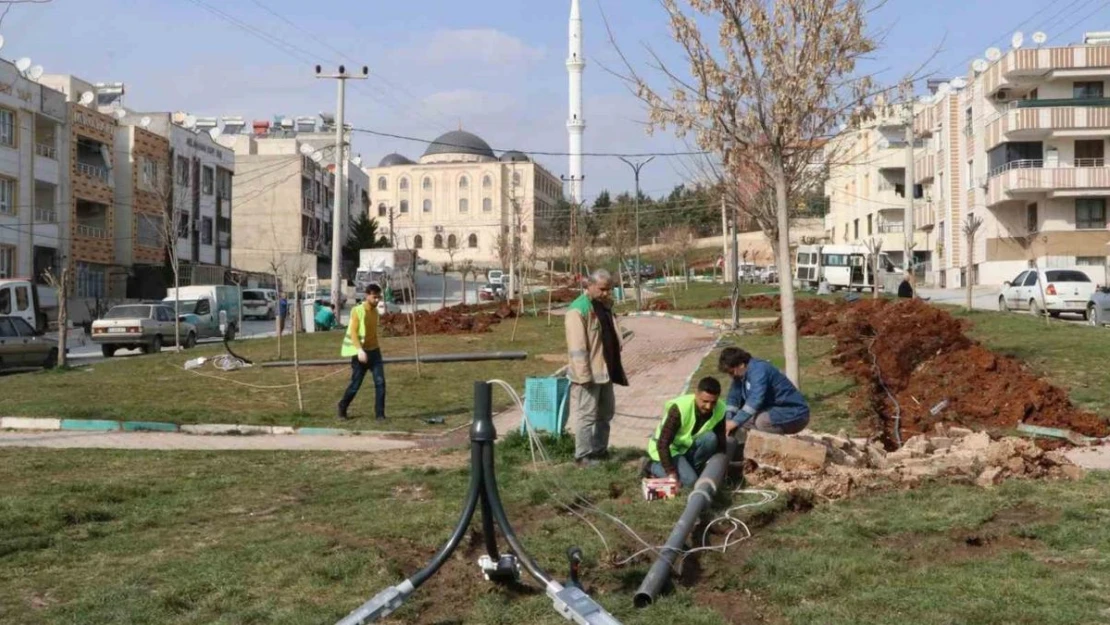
x: 341, y: 412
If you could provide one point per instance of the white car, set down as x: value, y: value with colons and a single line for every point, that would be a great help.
x: 260, y: 303
x: 1064, y: 291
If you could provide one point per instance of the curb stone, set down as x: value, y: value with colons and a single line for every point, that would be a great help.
x: 198, y: 429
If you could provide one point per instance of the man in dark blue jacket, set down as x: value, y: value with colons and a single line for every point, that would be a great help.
x: 761, y: 397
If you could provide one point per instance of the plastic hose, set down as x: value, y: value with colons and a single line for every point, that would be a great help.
x: 472, y: 494
x: 503, y: 520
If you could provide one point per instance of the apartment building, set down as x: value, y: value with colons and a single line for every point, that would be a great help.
x: 33, y: 177
x: 867, y: 186
x: 1021, y: 145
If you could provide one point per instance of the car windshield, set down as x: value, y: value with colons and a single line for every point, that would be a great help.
x: 255, y: 296
x: 129, y: 312
x: 187, y: 306
x: 1066, y: 276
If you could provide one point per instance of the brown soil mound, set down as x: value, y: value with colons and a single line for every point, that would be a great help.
x: 452, y: 320
x: 919, y: 355
x: 755, y: 302
x: 660, y: 304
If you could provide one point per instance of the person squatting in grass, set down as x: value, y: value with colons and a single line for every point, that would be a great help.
x: 692, y: 430
x: 761, y: 397
x: 360, y: 344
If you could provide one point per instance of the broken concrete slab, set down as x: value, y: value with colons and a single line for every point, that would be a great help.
x: 785, y: 452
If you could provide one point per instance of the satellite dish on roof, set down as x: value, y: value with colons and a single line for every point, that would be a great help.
x: 221, y: 125
x: 307, y: 149
x: 214, y: 133
x: 979, y: 65
x: 358, y: 161
x: 993, y: 54
x: 120, y: 113
x: 23, y: 64
x: 316, y: 156
x: 958, y: 82
x: 1039, y: 38
x: 144, y: 122
x: 1017, y: 40
x: 943, y: 88
x: 86, y: 98
x: 35, y: 72
x: 190, y: 121
x: 925, y: 99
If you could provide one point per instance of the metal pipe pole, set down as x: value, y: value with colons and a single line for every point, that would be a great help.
x: 908, y: 220
x: 636, y: 202
x: 734, y: 268
x: 392, y: 360
x: 696, y: 502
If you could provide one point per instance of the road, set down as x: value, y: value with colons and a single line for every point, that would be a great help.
x: 984, y: 298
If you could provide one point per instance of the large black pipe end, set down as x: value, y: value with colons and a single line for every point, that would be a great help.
x: 642, y: 599
x: 481, y: 428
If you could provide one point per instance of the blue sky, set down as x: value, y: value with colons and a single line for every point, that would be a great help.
x: 495, y: 66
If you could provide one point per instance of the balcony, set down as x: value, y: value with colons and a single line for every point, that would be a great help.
x: 924, y: 168
x: 46, y: 151
x: 1018, y: 179
x: 91, y: 231
x: 1045, y: 64
x: 310, y: 245
x: 46, y: 216
x: 926, y: 120
x: 308, y: 207
x: 93, y: 171
x: 924, y: 216
x: 224, y: 239
x: 1032, y: 120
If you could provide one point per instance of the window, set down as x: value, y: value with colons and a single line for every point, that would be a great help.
x: 22, y: 328
x: 5, y: 302
x: 1030, y: 278
x: 382, y: 212
x: 203, y: 307
x: 206, y: 231
x: 418, y: 242
x: 183, y: 226
x: 404, y: 184
x: 427, y: 207
x: 1066, y: 276
x: 464, y: 205
x: 1090, y: 261
x: 182, y: 171
x: 464, y: 183
x: 855, y: 229
x: 427, y: 183
x: 487, y: 205
x: 1031, y: 221
x: 7, y: 127
x: 452, y: 242
x: 404, y: 206
x: 1018, y: 280
x: 1090, y: 214
x: 149, y: 177
x: 971, y: 174
x: 206, y: 180
x: 869, y: 229
x: 1090, y: 153
x: 90, y: 281
x: 383, y: 184
x: 438, y: 242
x: 487, y: 182
x: 472, y: 241
x: 7, y: 196
x: 1086, y: 90
x: 149, y: 230
x: 516, y: 179
x: 7, y: 329
x: 22, y: 298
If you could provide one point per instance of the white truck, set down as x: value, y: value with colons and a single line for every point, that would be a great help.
x: 841, y: 266
x: 388, y: 268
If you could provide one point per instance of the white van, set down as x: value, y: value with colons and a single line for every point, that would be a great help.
x: 209, y: 307
x: 260, y: 303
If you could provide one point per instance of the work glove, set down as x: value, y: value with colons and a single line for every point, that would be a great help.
x: 363, y: 357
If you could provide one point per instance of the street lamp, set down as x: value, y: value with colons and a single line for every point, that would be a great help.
x: 639, y: 268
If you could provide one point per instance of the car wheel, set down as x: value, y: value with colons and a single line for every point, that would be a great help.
x: 156, y: 344
x: 108, y: 350
x: 1092, y: 316
x: 191, y: 340
x: 231, y: 332
x: 1034, y: 308
x: 51, y: 359
x: 1002, y: 307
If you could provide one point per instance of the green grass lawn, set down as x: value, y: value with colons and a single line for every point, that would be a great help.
x: 694, y: 301
x: 157, y: 388
x: 111, y: 537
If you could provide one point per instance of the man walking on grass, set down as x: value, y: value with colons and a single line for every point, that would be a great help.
x: 360, y: 344
x: 692, y: 430
x: 761, y: 397
x: 594, y: 349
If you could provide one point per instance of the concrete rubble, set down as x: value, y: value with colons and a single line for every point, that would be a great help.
x: 836, y: 466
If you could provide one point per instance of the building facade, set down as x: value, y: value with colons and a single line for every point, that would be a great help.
x: 1022, y: 147
x: 34, y: 175
x: 462, y: 202
x: 867, y: 186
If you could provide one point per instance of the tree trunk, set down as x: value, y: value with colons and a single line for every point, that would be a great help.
x: 686, y: 273
x: 786, y: 287
x: 177, y: 305
x: 970, y: 264
x: 296, y: 361
x: 412, y: 318
x: 278, y: 319
x: 465, y: 273
x: 63, y: 318
x: 874, y: 274
x: 443, y: 300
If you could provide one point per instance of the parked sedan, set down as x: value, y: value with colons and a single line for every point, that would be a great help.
x: 1064, y: 291
x: 1098, y: 309
x: 21, y: 347
x: 147, y: 326
x: 260, y: 303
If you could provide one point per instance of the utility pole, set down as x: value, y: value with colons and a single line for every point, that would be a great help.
x: 341, y: 79
x: 639, y: 267
x: 908, y: 220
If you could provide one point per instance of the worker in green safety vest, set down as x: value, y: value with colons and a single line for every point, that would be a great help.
x: 692, y: 430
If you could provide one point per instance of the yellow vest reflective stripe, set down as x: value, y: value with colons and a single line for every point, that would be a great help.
x: 684, y: 437
x: 358, y: 315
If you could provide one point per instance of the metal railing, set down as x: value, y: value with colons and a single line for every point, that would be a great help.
x: 46, y: 151
x: 46, y: 215
x: 93, y: 171
x: 308, y: 205
x: 890, y: 228
x: 92, y: 232
x: 1089, y: 162
x: 1028, y: 163
x: 1057, y: 102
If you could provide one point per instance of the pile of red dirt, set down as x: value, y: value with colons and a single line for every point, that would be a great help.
x: 754, y: 302
x: 914, y: 359
x: 660, y: 304
x: 565, y: 295
x: 451, y: 320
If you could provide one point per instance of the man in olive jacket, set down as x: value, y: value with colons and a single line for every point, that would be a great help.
x: 594, y: 349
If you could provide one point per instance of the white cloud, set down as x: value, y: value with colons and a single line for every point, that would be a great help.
x: 487, y: 46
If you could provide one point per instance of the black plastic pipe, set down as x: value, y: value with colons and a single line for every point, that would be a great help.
x: 503, y: 520
x: 472, y: 494
x: 696, y: 502
x: 394, y: 360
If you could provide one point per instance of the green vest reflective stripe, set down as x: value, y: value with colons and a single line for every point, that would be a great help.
x: 350, y: 349
x: 684, y: 437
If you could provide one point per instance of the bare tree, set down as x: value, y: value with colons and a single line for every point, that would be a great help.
x: 452, y: 248
x: 173, y: 226
x: 764, y: 91
x: 874, y: 248
x: 61, y: 284
x: 466, y: 268
x: 971, y: 227
x: 618, y: 229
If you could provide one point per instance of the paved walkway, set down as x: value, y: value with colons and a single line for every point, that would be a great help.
x: 158, y: 440
x: 1093, y: 458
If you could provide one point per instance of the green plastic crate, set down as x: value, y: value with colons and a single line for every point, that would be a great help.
x: 545, y: 404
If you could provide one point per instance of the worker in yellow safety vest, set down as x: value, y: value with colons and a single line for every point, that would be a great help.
x: 692, y: 430
x: 360, y: 344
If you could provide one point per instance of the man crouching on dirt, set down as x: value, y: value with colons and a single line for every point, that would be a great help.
x: 692, y: 430
x: 761, y: 397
